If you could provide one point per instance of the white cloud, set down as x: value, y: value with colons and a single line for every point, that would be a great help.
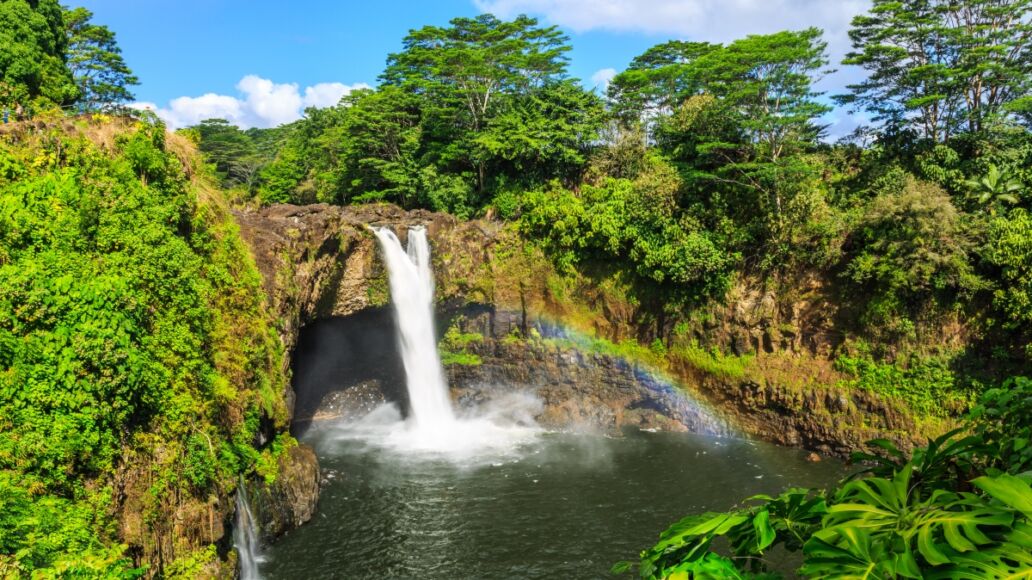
x: 260, y: 103
x: 711, y: 20
x: 268, y: 102
x: 328, y: 94
x: 700, y: 20
x: 602, y: 77
x: 707, y: 20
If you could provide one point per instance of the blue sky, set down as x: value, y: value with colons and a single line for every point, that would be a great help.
x: 259, y: 63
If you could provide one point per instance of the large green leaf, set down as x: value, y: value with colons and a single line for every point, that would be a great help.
x: 686, y: 541
x: 712, y: 566
x: 879, y: 522
x: 1012, y: 491
x: 960, y: 524
x: 764, y: 532
x: 1007, y: 561
x: 685, y: 547
x: 852, y: 555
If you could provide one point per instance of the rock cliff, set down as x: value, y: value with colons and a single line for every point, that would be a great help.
x: 321, y: 261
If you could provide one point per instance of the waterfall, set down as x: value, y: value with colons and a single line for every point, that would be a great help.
x: 412, y: 294
x: 245, y: 537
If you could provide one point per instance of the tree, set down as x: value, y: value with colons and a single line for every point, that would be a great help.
x: 942, y: 66
x: 32, y: 62
x: 462, y: 71
x: 911, y: 252
x: 637, y: 223
x: 767, y: 81
x: 96, y: 63
x: 544, y: 134
x: 752, y: 128
x: 230, y: 150
x: 378, y: 141
x: 658, y: 80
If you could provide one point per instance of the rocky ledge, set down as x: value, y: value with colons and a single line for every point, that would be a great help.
x: 289, y: 500
x: 576, y: 390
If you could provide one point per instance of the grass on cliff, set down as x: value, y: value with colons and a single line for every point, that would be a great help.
x: 712, y: 360
x: 137, y: 361
x: 927, y: 384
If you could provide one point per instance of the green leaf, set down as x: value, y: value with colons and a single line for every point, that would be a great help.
x: 764, y: 532
x: 1010, y: 490
x: 857, y: 558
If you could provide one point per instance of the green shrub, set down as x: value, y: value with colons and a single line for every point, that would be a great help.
x: 1003, y: 420
x: 453, y: 345
x: 927, y: 384
x: 713, y: 361
x: 910, y: 253
x: 1009, y: 250
x: 633, y: 222
x: 460, y: 359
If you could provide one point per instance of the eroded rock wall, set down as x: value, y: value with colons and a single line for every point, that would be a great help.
x: 321, y: 261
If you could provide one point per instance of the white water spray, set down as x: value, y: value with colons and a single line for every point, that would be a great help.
x: 245, y: 537
x: 412, y: 293
x: 432, y: 426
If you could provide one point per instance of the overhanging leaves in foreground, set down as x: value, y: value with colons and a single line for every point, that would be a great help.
x: 919, y: 521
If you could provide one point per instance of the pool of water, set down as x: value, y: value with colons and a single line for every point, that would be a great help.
x: 551, y: 505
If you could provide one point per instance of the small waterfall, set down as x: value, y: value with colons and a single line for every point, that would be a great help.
x: 245, y: 537
x: 412, y: 294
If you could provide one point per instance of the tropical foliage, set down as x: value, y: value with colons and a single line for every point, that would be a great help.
x: 942, y: 68
x: 32, y: 64
x: 95, y: 60
x: 131, y: 326
x: 959, y: 508
x: 56, y: 57
x: 707, y: 163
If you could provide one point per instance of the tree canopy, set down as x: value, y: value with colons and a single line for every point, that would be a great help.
x: 942, y: 67
x: 55, y: 56
x: 96, y: 62
x: 33, y: 60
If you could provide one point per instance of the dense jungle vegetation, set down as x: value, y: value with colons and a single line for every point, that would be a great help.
x: 135, y: 346
x: 703, y: 164
x: 137, y: 362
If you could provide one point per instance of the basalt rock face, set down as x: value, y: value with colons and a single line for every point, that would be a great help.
x: 191, y: 523
x: 319, y: 261
x: 790, y: 395
x: 607, y: 393
x: 291, y: 499
x: 800, y: 319
x: 322, y: 261
x: 576, y: 390
x: 828, y: 419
